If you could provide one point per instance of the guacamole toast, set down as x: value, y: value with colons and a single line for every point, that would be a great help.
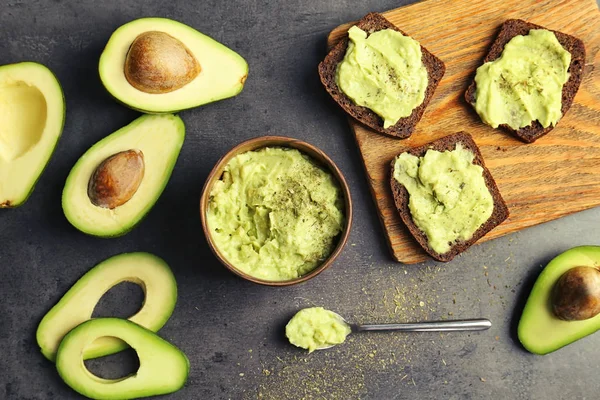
x: 515, y: 27
x: 401, y: 196
x: 404, y: 127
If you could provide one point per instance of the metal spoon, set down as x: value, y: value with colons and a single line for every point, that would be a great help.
x: 479, y: 324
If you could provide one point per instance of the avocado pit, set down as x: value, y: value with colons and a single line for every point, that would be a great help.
x: 116, y: 179
x: 576, y: 294
x: 159, y: 63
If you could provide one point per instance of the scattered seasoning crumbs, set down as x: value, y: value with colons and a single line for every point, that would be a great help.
x: 443, y: 361
x: 342, y: 372
x: 241, y: 374
x: 482, y: 379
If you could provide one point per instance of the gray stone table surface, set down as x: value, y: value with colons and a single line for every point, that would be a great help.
x: 232, y: 330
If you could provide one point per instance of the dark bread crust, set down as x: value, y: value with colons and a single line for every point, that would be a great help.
x: 401, y: 196
x: 515, y: 27
x: 404, y: 127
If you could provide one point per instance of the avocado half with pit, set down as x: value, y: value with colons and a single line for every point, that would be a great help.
x: 32, y: 116
x: 564, y: 304
x: 118, y: 180
x: 163, y: 367
x: 158, y: 65
x: 150, y: 272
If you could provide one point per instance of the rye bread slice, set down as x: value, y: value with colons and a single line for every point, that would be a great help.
x: 401, y: 196
x: 404, y: 127
x: 515, y: 27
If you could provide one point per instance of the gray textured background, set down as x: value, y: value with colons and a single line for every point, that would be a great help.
x: 232, y: 330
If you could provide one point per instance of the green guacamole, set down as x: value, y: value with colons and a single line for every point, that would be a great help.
x: 525, y: 83
x: 448, y: 198
x: 383, y: 72
x: 275, y: 214
x: 313, y: 328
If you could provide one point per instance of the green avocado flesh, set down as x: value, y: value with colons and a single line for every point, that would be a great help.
x: 540, y: 331
x: 163, y: 367
x: 448, y: 197
x: 223, y: 71
x: 32, y: 115
x: 525, y: 83
x: 383, y: 72
x: 275, y: 214
x: 159, y: 138
x: 316, y: 327
x: 77, y: 305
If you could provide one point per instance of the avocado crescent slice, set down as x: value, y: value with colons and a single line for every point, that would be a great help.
x: 32, y: 117
x: 163, y: 367
x: 222, y: 74
x: 540, y: 331
x: 77, y: 305
x: 159, y: 138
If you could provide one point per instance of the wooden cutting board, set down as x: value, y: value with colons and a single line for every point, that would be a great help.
x: 557, y: 175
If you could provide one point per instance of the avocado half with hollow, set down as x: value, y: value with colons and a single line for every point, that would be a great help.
x: 32, y: 116
x: 564, y: 303
x: 77, y: 305
x: 118, y: 180
x: 158, y: 65
x: 163, y: 367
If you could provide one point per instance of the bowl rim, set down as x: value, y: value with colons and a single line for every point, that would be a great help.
x: 308, y: 149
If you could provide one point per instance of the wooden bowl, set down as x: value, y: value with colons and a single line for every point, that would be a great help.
x: 278, y: 141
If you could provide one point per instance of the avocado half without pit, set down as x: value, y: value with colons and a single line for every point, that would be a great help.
x: 118, y: 180
x: 564, y: 304
x: 32, y: 115
x: 158, y: 65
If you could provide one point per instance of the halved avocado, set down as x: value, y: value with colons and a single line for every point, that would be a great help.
x: 163, y: 367
x: 77, y: 305
x: 217, y: 73
x: 540, y: 330
x: 32, y: 116
x: 142, y: 153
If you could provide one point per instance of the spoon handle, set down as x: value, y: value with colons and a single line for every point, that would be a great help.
x: 436, y: 326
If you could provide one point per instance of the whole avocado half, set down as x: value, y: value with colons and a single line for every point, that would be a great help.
x: 32, y: 121
x: 223, y: 72
x: 159, y: 138
x: 540, y: 330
